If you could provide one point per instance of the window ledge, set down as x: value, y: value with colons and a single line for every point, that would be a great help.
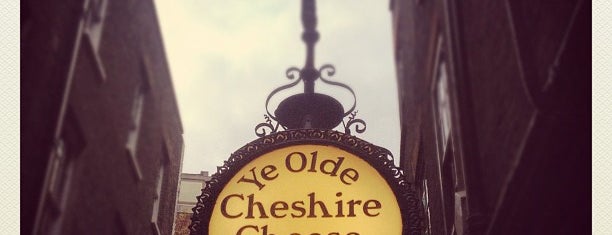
x: 155, y: 228
x: 101, y: 71
x: 134, y: 162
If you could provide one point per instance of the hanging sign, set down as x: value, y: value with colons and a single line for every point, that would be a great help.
x: 304, y: 182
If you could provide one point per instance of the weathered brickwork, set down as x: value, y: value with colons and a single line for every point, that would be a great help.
x: 99, y: 67
x: 495, y: 113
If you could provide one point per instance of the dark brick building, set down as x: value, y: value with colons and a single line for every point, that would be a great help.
x: 101, y: 136
x: 495, y: 113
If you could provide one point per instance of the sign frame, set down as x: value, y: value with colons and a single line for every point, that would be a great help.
x: 379, y: 158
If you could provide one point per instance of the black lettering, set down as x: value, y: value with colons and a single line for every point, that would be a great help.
x: 302, y: 159
x: 339, y: 204
x: 301, y: 209
x: 311, y: 213
x: 265, y: 230
x: 224, y: 206
x: 274, y: 208
x: 336, y: 166
x: 253, y: 203
x: 345, y: 173
x: 314, y: 162
x: 245, y: 227
x: 253, y: 181
x: 352, y: 204
x: 266, y: 171
x: 367, y: 208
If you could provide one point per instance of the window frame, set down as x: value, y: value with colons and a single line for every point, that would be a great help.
x: 94, y: 18
x: 133, y: 136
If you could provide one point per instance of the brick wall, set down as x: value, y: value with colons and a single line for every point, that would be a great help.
x: 107, y: 191
x: 518, y: 84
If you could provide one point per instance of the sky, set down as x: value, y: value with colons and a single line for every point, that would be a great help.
x: 226, y: 57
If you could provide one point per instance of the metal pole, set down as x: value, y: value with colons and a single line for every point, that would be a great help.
x: 310, y: 36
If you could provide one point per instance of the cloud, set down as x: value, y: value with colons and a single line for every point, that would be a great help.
x: 227, y: 56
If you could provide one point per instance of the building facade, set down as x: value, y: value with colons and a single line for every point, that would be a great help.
x: 495, y: 113
x: 101, y: 136
x: 190, y: 186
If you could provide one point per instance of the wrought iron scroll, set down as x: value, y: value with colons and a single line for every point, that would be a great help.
x: 327, y: 71
x: 291, y: 74
x: 360, y: 125
x: 309, y: 74
x: 379, y: 158
x: 260, y: 129
x: 324, y: 73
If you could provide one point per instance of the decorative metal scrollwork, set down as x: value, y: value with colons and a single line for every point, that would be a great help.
x: 327, y: 71
x: 260, y: 129
x: 291, y: 74
x: 360, y: 125
x: 302, y: 110
x: 324, y: 73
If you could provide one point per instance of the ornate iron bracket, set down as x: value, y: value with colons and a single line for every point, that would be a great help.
x: 315, y: 110
x: 360, y: 125
x: 260, y: 129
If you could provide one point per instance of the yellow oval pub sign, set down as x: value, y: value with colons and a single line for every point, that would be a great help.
x: 306, y: 182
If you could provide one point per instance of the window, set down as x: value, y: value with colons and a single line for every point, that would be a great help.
x: 158, y: 193
x: 441, y: 102
x: 448, y: 189
x: 132, y: 140
x: 140, y: 95
x: 450, y: 170
x: 443, y: 105
x: 94, y: 25
x: 94, y: 22
x: 425, y: 201
x: 450, y: 167
x: 460, y: 210
x: 156, y: 201
x: 189, y: 190
x: 68, y: 146
x: 146, y: 73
